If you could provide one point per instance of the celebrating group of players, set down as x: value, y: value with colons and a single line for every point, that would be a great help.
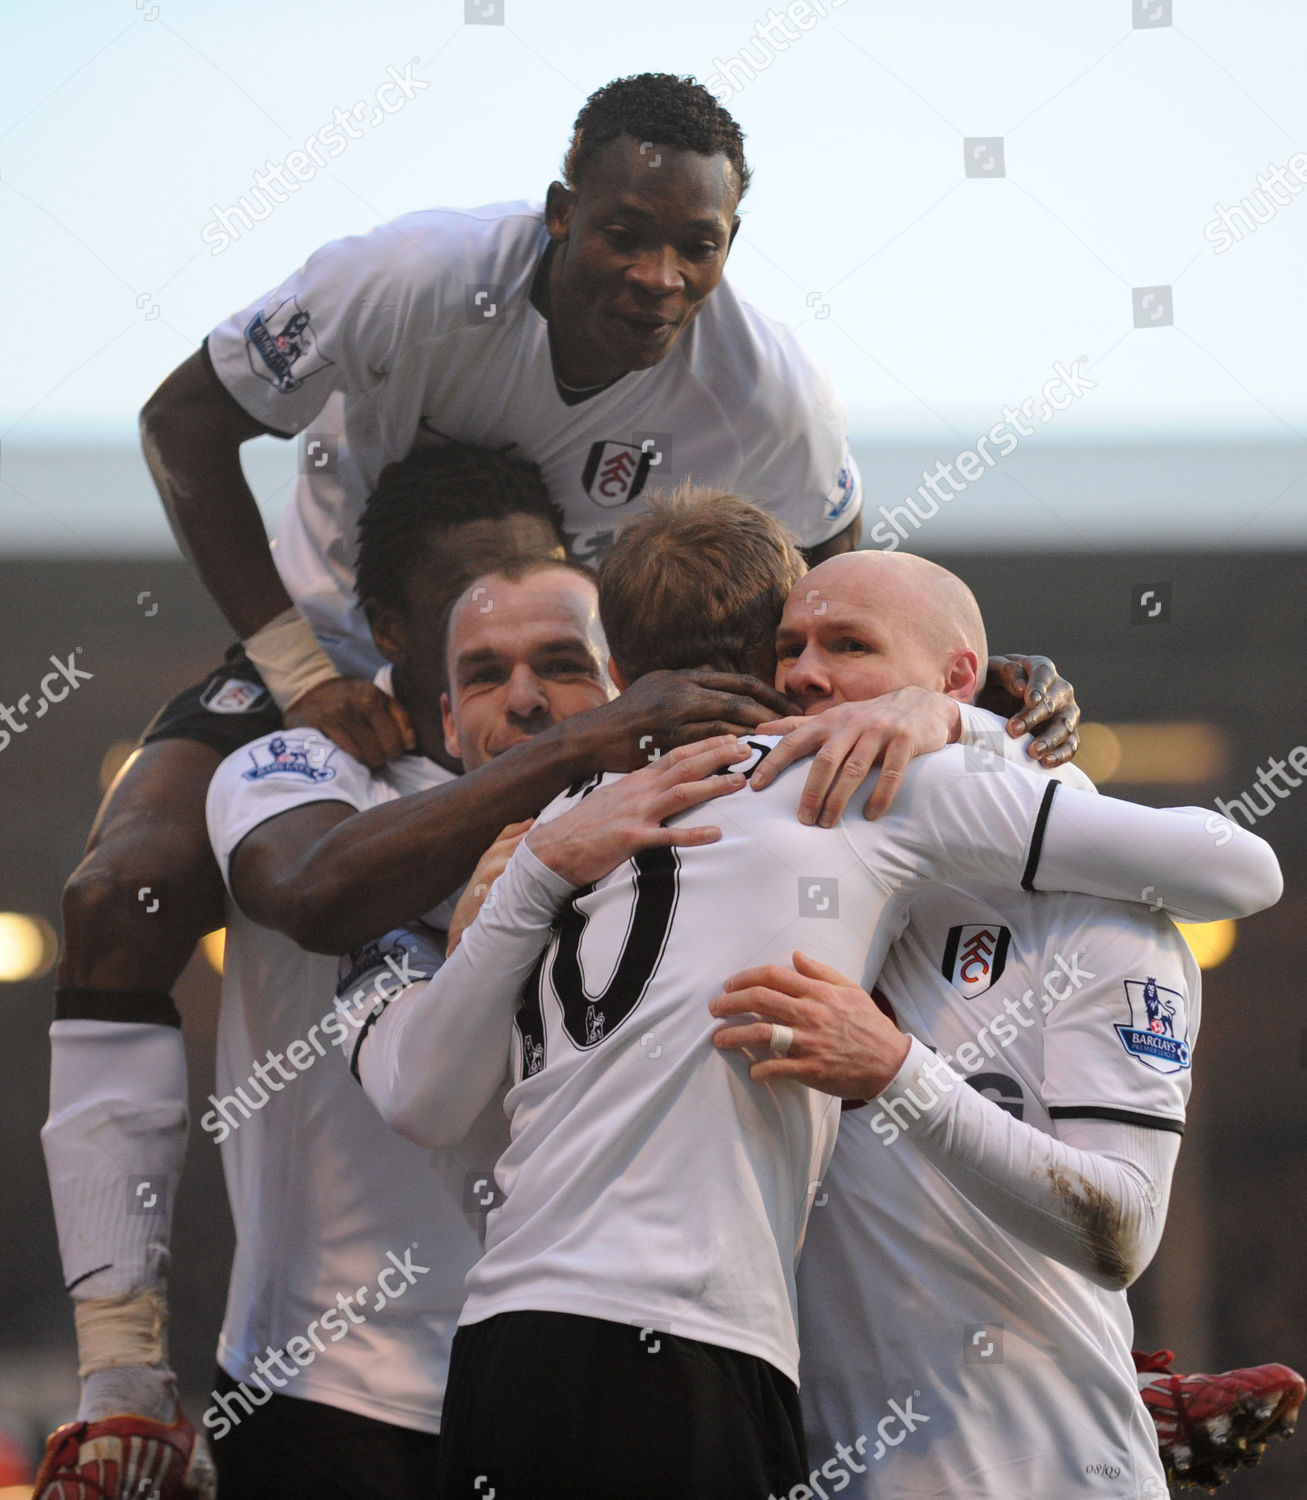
x: 544, y: 1187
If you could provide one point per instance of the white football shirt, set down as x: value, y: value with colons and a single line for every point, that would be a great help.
x: 324, y: 1197
x: 649, y: 1181
x: 1015, y: 1368
x: 424, y: 330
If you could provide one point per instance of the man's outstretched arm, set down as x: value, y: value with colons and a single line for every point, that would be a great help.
x: 332, y: 877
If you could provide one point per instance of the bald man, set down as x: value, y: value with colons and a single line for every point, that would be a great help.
x: 963, y: 1320
x: 904, y: 632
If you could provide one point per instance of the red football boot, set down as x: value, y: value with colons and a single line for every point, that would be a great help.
x: 126, y: 1458
x: 1208, y: 1425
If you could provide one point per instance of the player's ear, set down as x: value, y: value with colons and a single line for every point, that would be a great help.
x: 560, y: 204
x: 962, y: 679
x: 387, y: 625
x: 735, y: 229
x: 619, y: 682
x: 451, y: 733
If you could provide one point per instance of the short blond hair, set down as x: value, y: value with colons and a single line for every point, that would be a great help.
x: 698, y: 579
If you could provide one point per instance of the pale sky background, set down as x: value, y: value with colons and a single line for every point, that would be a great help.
x: 932, y: 298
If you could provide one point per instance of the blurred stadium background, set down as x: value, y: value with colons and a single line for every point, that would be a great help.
x: 933, y: 298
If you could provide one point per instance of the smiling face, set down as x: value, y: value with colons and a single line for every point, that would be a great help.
x: 521, y: 656
x: 866, y: 623
x: 642, y: 240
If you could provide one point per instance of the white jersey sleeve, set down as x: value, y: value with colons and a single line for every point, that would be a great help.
x: 1119, y: 1045
x: 985, y: 731
x: 333, y: 325
x: 780, y: 432
x: 272, y: 775
x: 966, y: 816
x: 1093, y: 1197
x: 436, y: 1056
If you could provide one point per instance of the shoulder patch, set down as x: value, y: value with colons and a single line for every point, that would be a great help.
x: 846, y: 487
x: 281, y: 347
x: 1158, y: 1034
x: 284, y: 755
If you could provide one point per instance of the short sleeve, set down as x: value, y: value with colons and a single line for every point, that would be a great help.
x: 831, y: 497
x: 1119, y: 1036
x: 331, y: 326
x: 794, y: 450
x: 275, y: 774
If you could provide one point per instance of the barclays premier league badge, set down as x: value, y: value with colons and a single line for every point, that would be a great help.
x: 1159, y: 1031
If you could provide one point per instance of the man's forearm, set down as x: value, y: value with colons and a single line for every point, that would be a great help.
x: 1100, y: 1211
x: 390, y: 864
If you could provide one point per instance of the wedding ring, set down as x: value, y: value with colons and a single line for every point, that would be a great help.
x: 782, y: 1039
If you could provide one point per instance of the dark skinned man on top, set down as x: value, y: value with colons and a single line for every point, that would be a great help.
x: 595, y: 338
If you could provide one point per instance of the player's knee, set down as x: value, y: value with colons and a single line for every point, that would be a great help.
x: 93, y: 900
x: 132, y: 926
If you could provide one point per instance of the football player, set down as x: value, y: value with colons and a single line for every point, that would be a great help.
x: 962, y: 1287
x: 630, y: 1326
x: 597, y: 337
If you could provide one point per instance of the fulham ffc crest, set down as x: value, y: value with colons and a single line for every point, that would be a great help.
x: 615, y: 473
x: 975, y: 957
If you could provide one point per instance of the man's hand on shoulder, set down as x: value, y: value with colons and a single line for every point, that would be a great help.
x: 365, y: 722
x: 1029, y: 693
x: 663, y: 710
x: 616, y: 822
x: 848, y: 740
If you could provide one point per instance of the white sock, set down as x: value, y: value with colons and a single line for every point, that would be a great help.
x: 114, y: 1143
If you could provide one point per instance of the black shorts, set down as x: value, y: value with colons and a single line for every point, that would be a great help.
x: 551, y: 1406
x: 228, y: 709
x: 290, y: 1448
